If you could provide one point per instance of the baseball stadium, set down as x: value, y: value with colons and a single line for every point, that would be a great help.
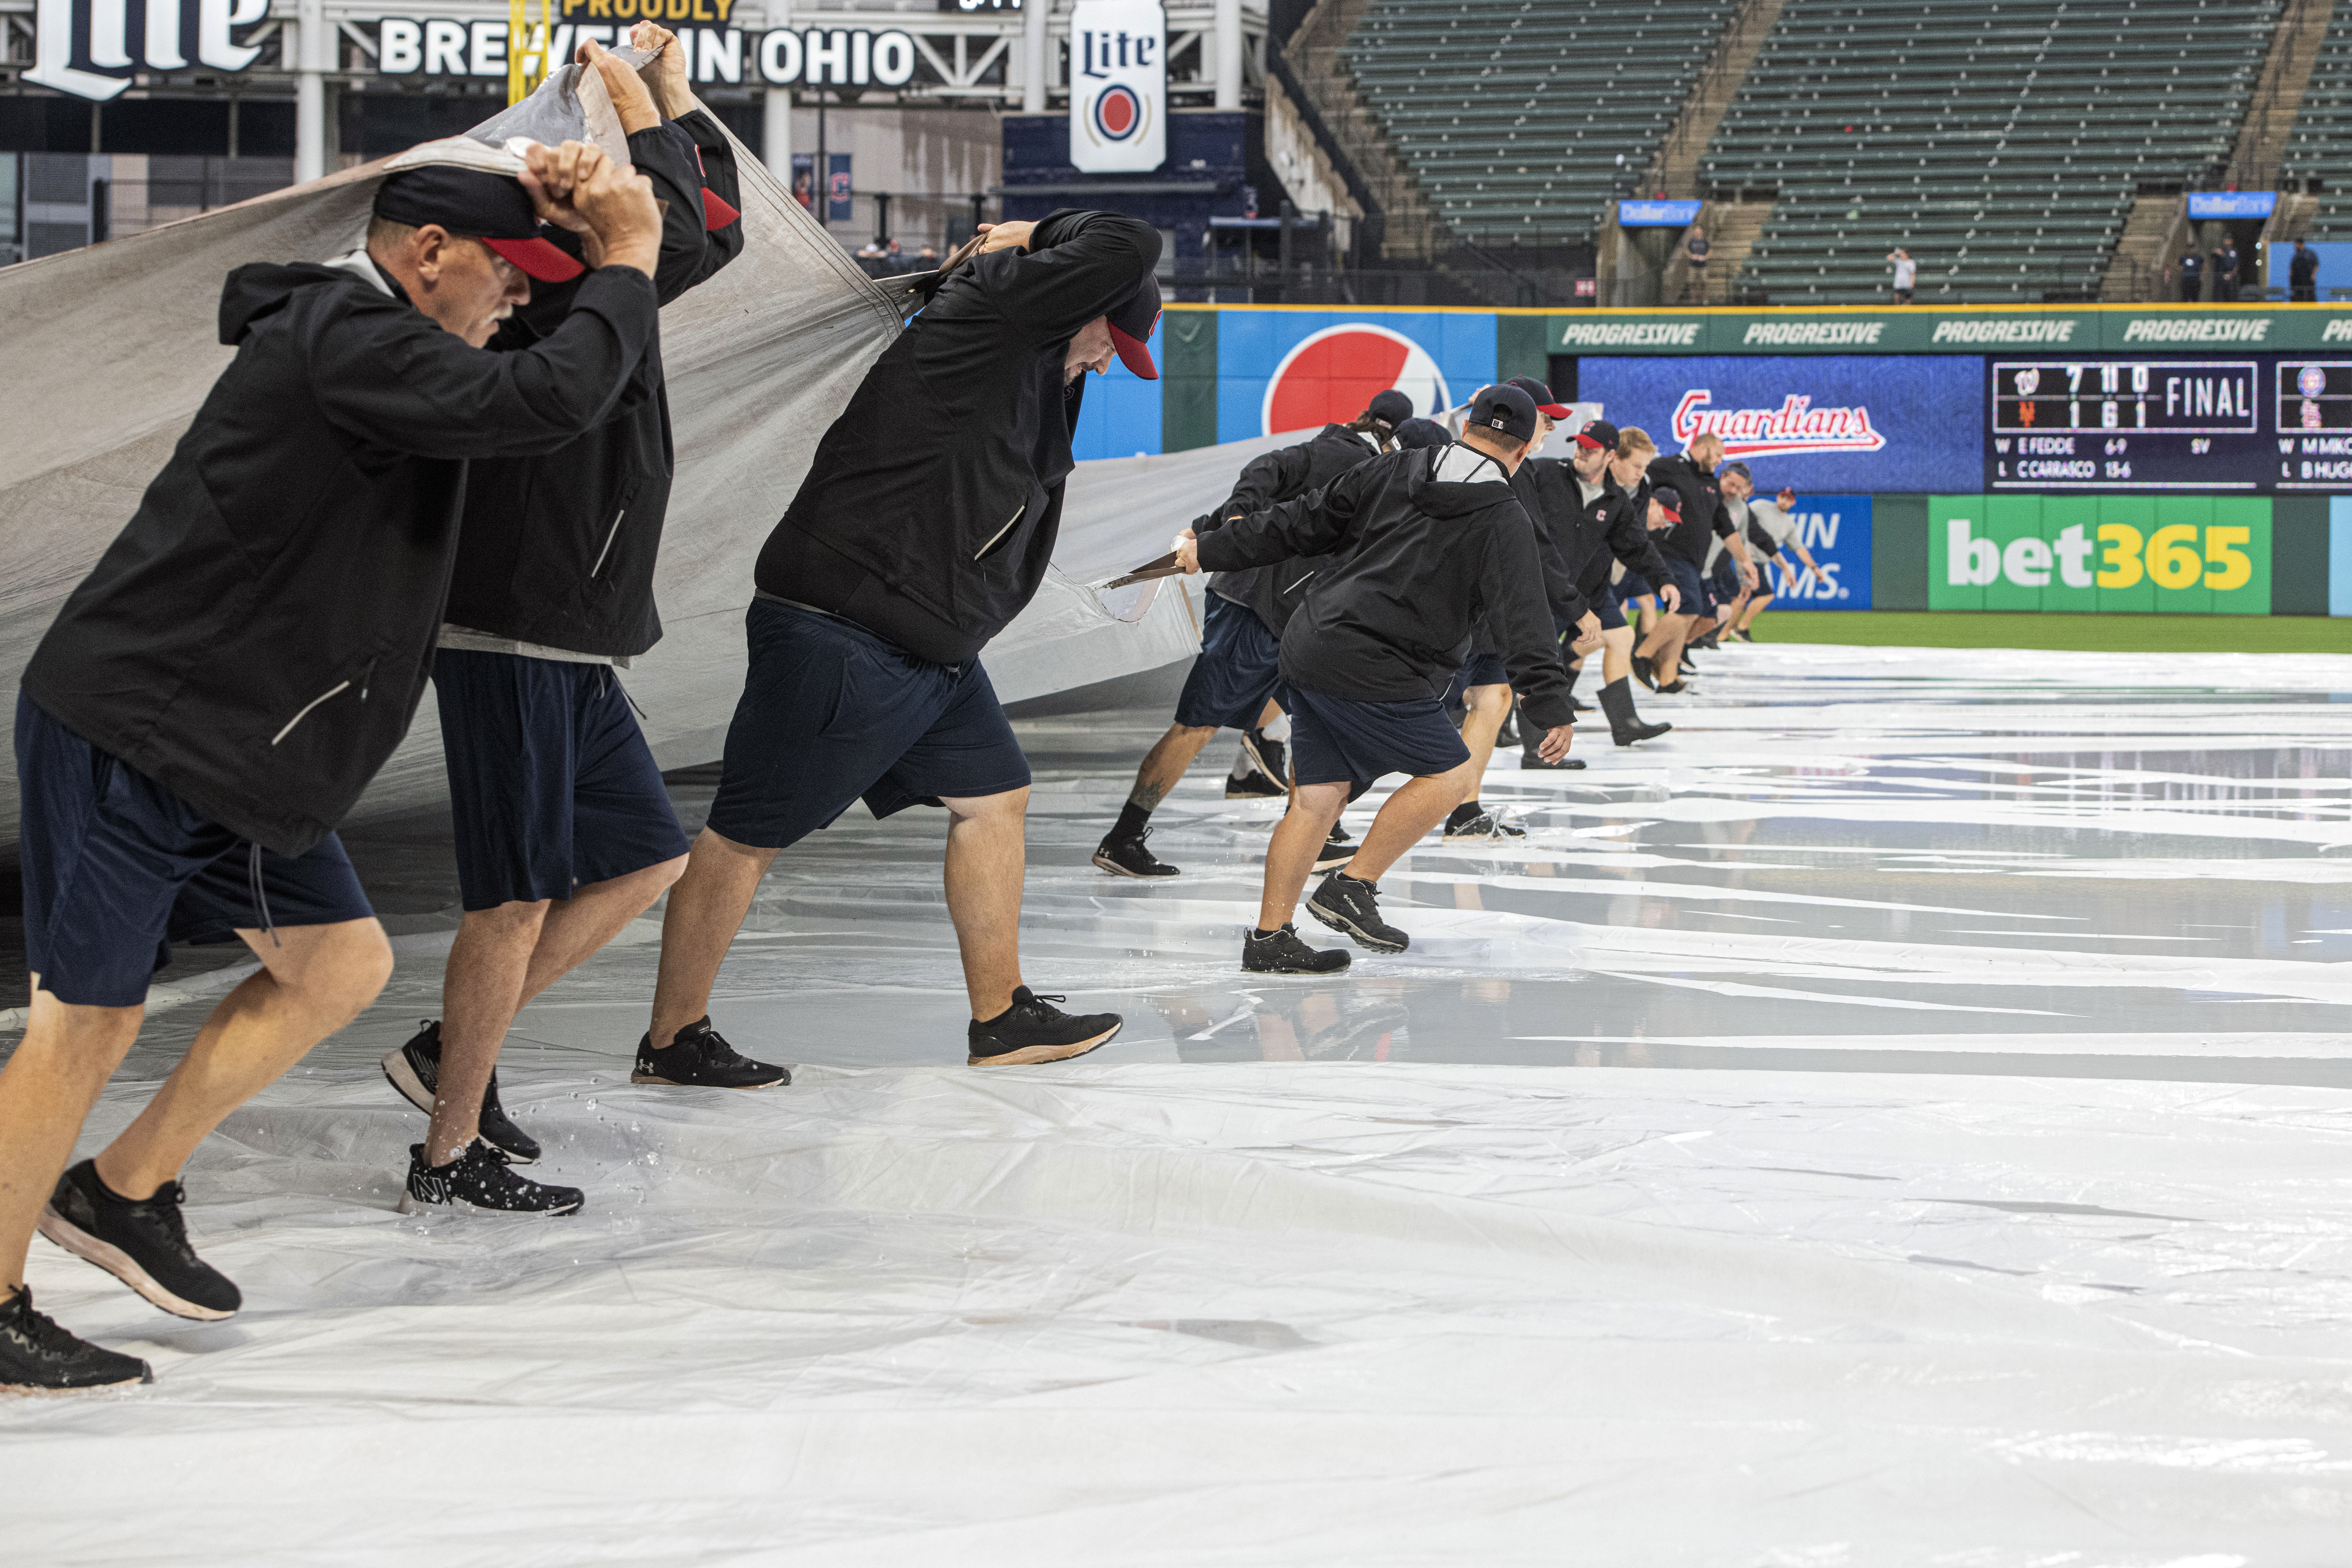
x: 587, y: 580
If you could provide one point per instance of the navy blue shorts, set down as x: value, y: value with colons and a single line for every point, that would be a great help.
x: 1478, y: 670
x: 552, y: 786
x: 1686, y: 578
x: 1723, y: 583
x: 832, y: 713
x: 117, y: 869
x: 1611, y: 615
x: 1237, y: 672
x: 1632, y: 586
x: 1338, y: 739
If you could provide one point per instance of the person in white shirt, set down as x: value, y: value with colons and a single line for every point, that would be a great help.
x: 1906, y: 274
x: 1771, y: 527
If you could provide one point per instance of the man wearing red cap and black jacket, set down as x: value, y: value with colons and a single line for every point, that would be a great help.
x: 1427, y: 544
x: 563, y: 830
x: 1690, y: 475
x: 924, y: 526
x: 246, y: 653
x: 1233, y: 682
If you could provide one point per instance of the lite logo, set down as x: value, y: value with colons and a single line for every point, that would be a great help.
x: 2167, y: 556
x: 1330, y: 376
x: 1118, y: 86
x: 89, y: 49
x: 1796, y: 425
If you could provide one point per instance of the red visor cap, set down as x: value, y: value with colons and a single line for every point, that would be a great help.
x: 1131, y: 326
x: 538, y: 259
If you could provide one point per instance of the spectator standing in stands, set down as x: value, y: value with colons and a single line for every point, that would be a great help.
x: 2192, y: 275
x: 2224, y: 262
x: 2303, y: 275
x: 1696, y: 250
x: 1906, y: 274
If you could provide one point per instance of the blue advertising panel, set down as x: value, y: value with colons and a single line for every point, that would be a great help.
x: 1657, y: 215
x: 1835, y: 423
x: 1300, y: 370
x: 1836, y: 531
x: 2232, y: 204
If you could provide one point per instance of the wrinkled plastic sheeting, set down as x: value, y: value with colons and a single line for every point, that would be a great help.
x: 1269, y: 1314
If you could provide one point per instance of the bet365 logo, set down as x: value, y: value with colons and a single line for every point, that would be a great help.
x: 2118, y: 555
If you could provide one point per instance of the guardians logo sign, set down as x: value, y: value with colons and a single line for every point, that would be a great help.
x: 1796, y: 425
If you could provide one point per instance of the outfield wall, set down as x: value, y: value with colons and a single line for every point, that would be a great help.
x: 2131, y: 457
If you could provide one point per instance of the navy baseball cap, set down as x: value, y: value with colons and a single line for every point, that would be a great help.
x: 478, y: 205
x: 1421, y: 433
x: 1505, y: 410
x: 1391, y: 407
x: 1540, y: 396
x: 1131, y: 325
x: 1598, y: 435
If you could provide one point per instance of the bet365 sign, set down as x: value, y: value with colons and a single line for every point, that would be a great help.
x: 2171, y: 554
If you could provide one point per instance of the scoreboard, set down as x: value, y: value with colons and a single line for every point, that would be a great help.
x: 2136, y: 424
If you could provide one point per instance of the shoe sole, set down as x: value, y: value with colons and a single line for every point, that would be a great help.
x: 1257, y: 793
x: 1249, y: 968
x: 1030, y: 1056
x: 1350, y: 930
x: 1333, y: 862
x: 409, y: 1204
x: 738, y: 1087
x: 402, y: 1078
x: 1116, y: 869
x: 117, y: 1262
x: 27, y: 1391
x: 1257, y: 758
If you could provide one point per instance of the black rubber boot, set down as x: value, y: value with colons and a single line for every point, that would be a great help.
x: 1626, y: 726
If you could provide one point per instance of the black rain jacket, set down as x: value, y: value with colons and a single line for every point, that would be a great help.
x: 1284, y: 474
x: 1701, y: 494
x: 258, y: 635
x: 560, y: 549
x: 1614, y: 525
x: 1420, y: 561
x: 930, y: 512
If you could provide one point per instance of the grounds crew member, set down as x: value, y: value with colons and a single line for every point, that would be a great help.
x: 1769, y: 528
x: 1233, y: 682
x: 1428, y: 543
x: 1610, y: 472
x: 564, y: 833
x: 247, y: 652
x: 1690, y: 476
x: 925, y: 525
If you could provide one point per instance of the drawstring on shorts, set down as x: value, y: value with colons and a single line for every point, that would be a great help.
x: 260, y: 898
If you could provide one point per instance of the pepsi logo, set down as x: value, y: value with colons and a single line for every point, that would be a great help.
x: 1330, y: 376
x: 1118, y: 112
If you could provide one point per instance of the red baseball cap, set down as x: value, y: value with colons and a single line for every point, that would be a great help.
x: 1130, y: 328
x: 492, y: 208
x: 536, y: 258
x: 1540, y: 396
x: 1668, y: 503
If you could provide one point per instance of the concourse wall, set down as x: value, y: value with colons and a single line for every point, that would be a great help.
x: 2125, y: 459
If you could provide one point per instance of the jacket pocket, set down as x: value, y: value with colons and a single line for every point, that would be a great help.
x: 996, y: 543
x: 359, y: 683
x: 608, y: 545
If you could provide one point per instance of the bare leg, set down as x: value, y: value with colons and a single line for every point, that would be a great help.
x: 1164, y: 765
x: 45, y: 1092
x: 706, y: 909
x: 314, y: 979
x: 1407, y: 814
x: 1297, y: 840
x: 1664, y: 646
x: 1485, y: 709
x: 987, y: 859
x: 1757, y: 604
x: 502, y: 958
x: 1616, y: 654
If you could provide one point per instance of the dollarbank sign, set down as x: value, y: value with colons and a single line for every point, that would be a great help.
x: 1118, y: 86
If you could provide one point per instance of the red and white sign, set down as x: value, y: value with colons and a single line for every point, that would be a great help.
x: 1330, y: 377
x: 1795, y: 426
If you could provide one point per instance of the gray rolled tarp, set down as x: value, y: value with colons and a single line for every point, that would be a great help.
x: 112, y: 348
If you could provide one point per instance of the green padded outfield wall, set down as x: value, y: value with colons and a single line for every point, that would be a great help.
x: 2162, y: 554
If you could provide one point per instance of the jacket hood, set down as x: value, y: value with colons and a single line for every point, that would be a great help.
x: 256, y: 288
x: 1435, y: 497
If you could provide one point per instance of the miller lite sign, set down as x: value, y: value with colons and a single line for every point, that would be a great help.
x: 91, y: 48
x: 1118, y: 86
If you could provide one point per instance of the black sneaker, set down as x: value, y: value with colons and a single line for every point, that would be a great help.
x: 1033, y: 1030
x: 1482, y: 825
x: 143, y: 1242
x: 1643, y: 673
x: 1743, y: 637
x: 1128, y: 857
x: 1533, y: 759
x: 1253, y: 785
x: 415, y: 1069
x: 1508, y: 734
x: 1282, y: 952
x: 698, y: 1057
x: 1674, y: 687
x: 1348, y: 905
x: 479, y: 1182
x: 39, y: 1357
x: 1338, y: 850
x: 1270, y: 757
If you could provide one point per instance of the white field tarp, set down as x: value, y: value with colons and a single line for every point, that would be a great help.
x: 112, y: 348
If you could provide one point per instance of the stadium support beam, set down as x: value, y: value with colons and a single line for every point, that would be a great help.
x: 1229, y: 54
x: 310, y: 42
x: 1033, y: 55
x: 776, y: 133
